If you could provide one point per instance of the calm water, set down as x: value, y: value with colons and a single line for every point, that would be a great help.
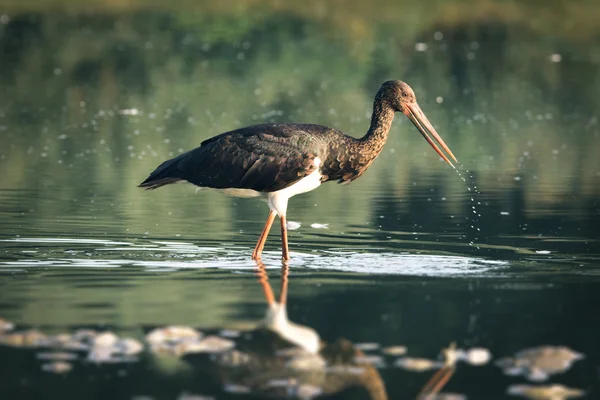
x: 94, y: 98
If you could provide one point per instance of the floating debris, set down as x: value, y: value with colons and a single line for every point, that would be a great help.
x: 293, y: 225
x: 230, y: 333
x: 537, y: 364
x: 367, y: 346
x: 172, y: 334
x: 6, y: 325
x: 57, y: 367
x: 57, y: 356
x: 237, y: 389
x: 306, y: 362
x: 319, y: 226
x: 543, y: 252
x: 417, y: 364
x: 394, y: 350
x: 190, y: 396
x: 545, y: 392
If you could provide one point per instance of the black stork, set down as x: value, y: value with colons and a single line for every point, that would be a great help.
x: 279, y: 161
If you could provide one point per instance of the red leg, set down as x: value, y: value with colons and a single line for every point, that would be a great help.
x: 257, y: 253
x: 285, y: 254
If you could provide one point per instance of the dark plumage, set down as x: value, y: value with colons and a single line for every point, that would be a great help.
x: 268, y: 158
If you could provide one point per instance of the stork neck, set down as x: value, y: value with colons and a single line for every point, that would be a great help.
x: 381, y: 122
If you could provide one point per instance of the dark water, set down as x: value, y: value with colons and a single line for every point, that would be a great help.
x: 94, y: 98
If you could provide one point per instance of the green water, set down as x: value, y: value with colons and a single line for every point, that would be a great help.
x: 93, y: 97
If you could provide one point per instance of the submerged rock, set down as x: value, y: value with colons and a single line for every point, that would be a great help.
x: 545, y: 392
x: 105, y: 339
x: 172, y: 334
x: 417, y: 364
x: 394, y: 350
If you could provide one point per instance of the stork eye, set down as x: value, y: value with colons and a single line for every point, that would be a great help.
x: 405, y: 95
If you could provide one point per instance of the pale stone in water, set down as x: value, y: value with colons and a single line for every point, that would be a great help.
x: 105, y: 339
x: 367, y: 346
x: 57, y: 356
x: 545, y: 392
x: 57, y: 367
x: 417, y: 364
x: 172, y: 333
x: 394, y: 350
x: 477, y: 356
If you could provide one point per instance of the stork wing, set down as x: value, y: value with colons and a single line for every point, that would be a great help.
x: 264, y: 158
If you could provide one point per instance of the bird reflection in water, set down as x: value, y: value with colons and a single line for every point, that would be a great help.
x: 282, y: 359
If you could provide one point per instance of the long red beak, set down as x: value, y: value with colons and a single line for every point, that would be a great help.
x: 416, y: 116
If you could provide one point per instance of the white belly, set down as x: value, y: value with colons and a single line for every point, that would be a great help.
x: 278, y: 200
